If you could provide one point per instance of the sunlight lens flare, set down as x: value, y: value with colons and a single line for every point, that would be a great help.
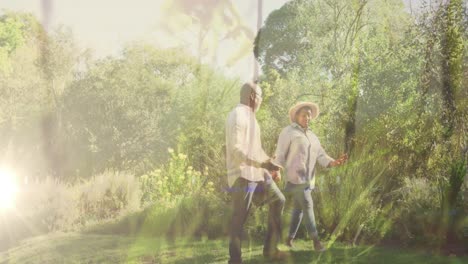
x: 8, y: 189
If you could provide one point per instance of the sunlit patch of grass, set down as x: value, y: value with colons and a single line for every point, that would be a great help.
x: 89, y: 248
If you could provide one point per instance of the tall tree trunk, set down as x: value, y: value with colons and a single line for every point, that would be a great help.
x: 350, y: 125
x: 259, y: 25
x: 452, y: 60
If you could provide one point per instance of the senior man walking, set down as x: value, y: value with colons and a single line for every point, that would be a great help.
x: 298, y: 150
x: 249, y: 177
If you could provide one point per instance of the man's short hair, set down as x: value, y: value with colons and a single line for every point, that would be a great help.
x: 247, y: 89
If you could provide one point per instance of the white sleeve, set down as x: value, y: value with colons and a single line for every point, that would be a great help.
x: 282, y: 147
x: 322, y: 158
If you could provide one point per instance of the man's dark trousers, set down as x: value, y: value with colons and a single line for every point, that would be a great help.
x: 245, y: 192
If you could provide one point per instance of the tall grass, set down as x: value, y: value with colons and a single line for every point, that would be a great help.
x: 349, y: 201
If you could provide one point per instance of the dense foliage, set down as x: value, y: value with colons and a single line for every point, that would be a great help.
x: 392, y: 94
x: 144, y: 131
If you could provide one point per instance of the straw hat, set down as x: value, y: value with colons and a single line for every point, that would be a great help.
x: 293, y: 110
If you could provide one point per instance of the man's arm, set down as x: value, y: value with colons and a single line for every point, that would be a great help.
x: 323, y: 159
x: 282, y: 148
x: 328, y: 162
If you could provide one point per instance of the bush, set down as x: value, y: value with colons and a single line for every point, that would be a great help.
x: 174, y: 180
x: 106, y: 196
x: 40, y: 208
x: 180, y: 201
x: 196, y: 215
x: 422, y: 215
x: 201, y: 214
x: 51, y: 205
x: 419, y: 212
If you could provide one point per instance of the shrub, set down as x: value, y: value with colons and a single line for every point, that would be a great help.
x: 40, y: 208
x: 106, y: 196
x: 51, y: 205
x: 180, y: 201
x: 418, y: 213
x: 424, y: 212
x: 196, y: 215
x: 174, y: 180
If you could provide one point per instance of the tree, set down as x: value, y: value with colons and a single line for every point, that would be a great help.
x: 452, y: 46
x: 124, y: 113
x: 336, y: 50
x: 213, y: 21
x: 23, y: 91
x: 11, y: 36
x: 114, y: 112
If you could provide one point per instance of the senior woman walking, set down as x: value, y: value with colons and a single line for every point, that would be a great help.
x: 298, y: 151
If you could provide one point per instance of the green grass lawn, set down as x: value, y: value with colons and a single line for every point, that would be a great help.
x: 89, y: 248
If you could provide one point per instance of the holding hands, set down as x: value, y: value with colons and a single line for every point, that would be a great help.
x: 270, y: 166
x: 276, y: 175
x: 273, y: 168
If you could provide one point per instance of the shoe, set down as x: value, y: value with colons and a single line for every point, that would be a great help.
x: 276, y: 255
x: 289, y: 242
x: 319, y: 247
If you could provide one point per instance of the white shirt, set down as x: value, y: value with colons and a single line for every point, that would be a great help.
x: 298, y: 151
x: 244, y: 152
